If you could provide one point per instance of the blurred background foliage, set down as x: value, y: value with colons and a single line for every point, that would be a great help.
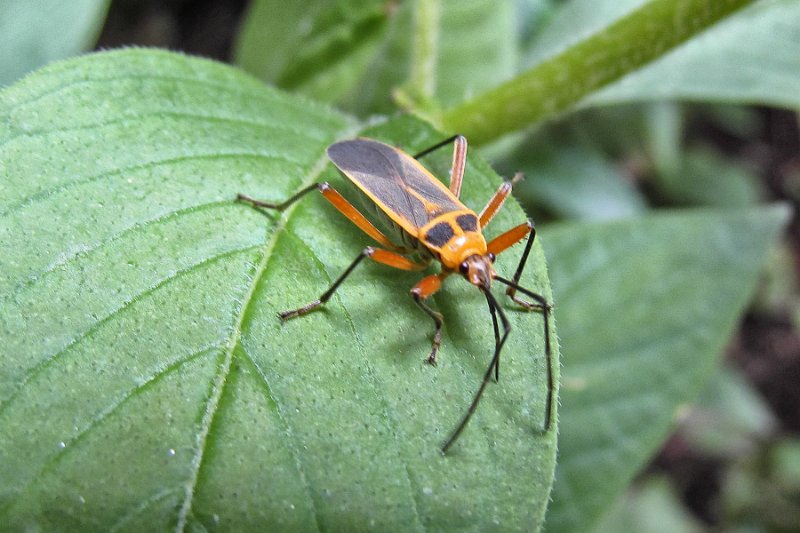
x: 713, y: 123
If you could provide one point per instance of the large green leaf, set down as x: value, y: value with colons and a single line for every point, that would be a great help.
x: 145, y: 381
x: 645, y: 306
x: 357, y: 52
x: 318, y: 47
x: 458, y: 50
x: 35, y: 32
x: 752, y: 57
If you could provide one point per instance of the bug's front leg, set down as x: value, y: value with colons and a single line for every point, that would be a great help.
x: 541, y: 304
x: 501, y: 243
x: 423, y: 290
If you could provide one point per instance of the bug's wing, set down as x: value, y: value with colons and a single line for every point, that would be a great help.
x: 395, y: 181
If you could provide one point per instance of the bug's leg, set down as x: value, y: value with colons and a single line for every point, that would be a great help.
x: 338, y: 201
x: 543, y: 306
x: 497, y: 245
x: 459, y: 160
x: 487, y: 376
x: 281, y: 206
x: 385, y: 257
x: 505, y: 241
x: 508, y: 239
x: 498, y: 199
x: 423, y: 290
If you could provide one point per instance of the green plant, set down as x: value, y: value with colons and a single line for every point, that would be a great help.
x: 145, y: 380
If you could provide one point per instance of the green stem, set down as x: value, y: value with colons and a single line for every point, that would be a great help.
x: 562, y: 81
x: 422, y: 79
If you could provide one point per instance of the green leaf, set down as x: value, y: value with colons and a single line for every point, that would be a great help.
x: 319, y: 47
x: 476, y: 48
x: 357, y: 52
x: 35, y: 32
x: 470, y: 48
x: 651, y: 507
x: 785, y: 463
x: 699, y: 174
x: 645, y: 306
x: 729, y: 419
x: 145, y: 380
x: 705, y: 177
x: 568, y: 172
x: 760, y: 491
x: 576, y: 181
x: 751, y: 57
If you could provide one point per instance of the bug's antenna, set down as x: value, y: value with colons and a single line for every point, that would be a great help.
x: 545, y: 307
x: 487, y: 376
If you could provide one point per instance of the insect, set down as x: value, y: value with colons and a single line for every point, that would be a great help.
x: 429, y: 223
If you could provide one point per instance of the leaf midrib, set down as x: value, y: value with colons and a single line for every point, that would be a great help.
x: 212, y: 404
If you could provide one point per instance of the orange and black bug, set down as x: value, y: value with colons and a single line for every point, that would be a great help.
x: 430, y: 223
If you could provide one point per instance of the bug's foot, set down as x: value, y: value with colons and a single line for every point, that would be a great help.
x: 431, y: 359
x: 437, y: 340
x: 257, y: 203
x: 287, y: 315
x: 525, y: 304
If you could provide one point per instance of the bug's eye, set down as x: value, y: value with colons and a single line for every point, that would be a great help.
x: 492, y: 257
x: 463, y: 267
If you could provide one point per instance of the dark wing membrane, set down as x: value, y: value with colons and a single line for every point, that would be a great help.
x: 395, y: 181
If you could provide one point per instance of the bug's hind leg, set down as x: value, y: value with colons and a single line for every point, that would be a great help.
x: 338, y: 201
x: 423, y: 290
x: 378, y: 255
x: 286, y: 315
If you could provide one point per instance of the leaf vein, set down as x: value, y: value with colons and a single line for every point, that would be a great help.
x: 43, y: 365
x: 122, y: 119
x: 142, y: 507
x: 374, y: 382
x: 290, y: 433
x: 138, y: 226
x: 234, y: 341
x: 43, y: 195
x: 71, y: 445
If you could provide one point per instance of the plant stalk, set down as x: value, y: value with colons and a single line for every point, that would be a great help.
x: 562, y: 81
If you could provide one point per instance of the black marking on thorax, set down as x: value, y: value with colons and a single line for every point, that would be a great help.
x: 440, y: 234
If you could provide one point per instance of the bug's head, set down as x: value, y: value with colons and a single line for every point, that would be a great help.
x: 478, y: 270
